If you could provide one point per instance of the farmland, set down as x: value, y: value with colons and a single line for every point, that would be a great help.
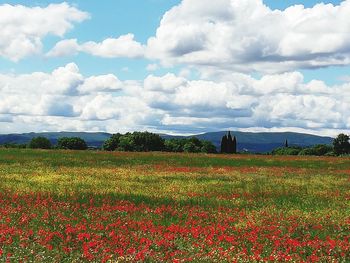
x: 66, y: 206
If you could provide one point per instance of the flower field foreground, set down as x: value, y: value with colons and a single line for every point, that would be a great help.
x: 62, y: 206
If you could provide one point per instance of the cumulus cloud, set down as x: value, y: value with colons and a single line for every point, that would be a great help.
x: 167, y: 83
x: 234, y: 35
x: 51, y: 94
x: 123, y: 46
x: 23, y: 28
x: 66, y: 47
x: 249, y: 36
x: 279, y: 100
x: 65, y: 99
x: 102, y: 83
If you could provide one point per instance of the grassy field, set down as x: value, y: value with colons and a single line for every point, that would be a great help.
x: 64, y: 206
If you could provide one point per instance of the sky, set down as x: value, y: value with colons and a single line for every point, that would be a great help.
x: 175, y: 66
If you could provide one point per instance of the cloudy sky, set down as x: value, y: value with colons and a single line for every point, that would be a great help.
x: 173, y: 66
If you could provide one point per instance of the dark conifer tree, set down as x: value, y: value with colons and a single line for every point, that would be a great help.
x: 230, y: 146
x: 224, y: 144
x: 234, y: 144
x: 286, y: 144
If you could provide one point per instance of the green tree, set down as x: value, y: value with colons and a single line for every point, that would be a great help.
x: 190, y: 147
x: 127, y: 143
x: 224, y: 144
x: 208, y: 147
x: 341, y: 144
x: 40, y: 143
x: 174, y: 145
x: 230, y: 145
x: 286, y: 144
x: 234, y: 144
x: 317, y: 150
x: 71, y: 143
x: 112, y: 143
x: 322, y: 149
x: 146, y: 141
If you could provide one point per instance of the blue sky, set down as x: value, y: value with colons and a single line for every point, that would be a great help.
x: 129, y: 52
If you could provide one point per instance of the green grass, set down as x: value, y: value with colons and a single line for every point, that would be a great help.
x: 246, y: 192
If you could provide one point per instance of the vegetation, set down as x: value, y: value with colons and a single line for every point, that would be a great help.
x: 316, y: 150
x: 341, y: 144
x: 40, y: 143
x: 191, y: 145
x: 146, y: 142
x: 292, y: 150
x: 228, y: 145
x: 59, y: 206
x: 14, y: 145
x: 71, y: 143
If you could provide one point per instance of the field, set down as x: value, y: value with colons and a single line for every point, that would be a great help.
x: 64, y: 206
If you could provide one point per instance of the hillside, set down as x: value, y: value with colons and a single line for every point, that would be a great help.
x: 247, y: 141
x: 267, y: 141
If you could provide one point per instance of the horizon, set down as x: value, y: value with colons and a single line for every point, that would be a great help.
x: 168, y: 134
x: 176, y: 67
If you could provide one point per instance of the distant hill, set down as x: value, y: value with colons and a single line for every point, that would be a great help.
x: 246, y: 141
x: 263, y: 141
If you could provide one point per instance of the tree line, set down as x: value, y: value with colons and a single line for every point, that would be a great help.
x: 129, y: 142
x: 340, y: 146
x: 146, y: 142
x: 68, y: 143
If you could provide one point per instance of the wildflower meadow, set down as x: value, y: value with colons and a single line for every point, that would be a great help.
x: 86, y: 206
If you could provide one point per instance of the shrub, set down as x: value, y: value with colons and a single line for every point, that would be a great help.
x: 307, y: 151
x: 14, y: 145
x: 293, y: 150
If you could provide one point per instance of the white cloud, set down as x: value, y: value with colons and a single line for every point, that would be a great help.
x: 53, y: 105
x: 152, y: 67
x: 23, y: 28
x: 107, y: 107
x: 167, y: 83
x: 235, y: 36
x: 66, y: 100
x: 100, y: 83
x: 51, y: 94
x: 64, y: 80
x: 123, y: 46
x: 248, y: 36
x: 65, y: 47
x: 279, y: 100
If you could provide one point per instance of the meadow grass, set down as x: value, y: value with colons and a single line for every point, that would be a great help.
x: 311, y: 190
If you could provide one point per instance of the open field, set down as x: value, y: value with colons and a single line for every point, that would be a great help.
x: 63, y: 206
